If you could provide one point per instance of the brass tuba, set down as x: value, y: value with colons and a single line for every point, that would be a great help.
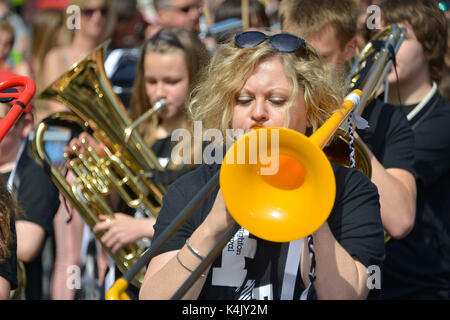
x: 367, y: 73
x: 94, y: 107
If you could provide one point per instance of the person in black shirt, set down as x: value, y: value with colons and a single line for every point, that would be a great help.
x: 252, y: 83
x: 36, y: 194
x: 418, y: 266
x: 330, y: 26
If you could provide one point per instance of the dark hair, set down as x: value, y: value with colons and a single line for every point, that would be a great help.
x: 429, y: 25
x: 8, y: 213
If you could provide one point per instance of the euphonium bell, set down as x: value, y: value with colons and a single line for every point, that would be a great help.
x: 95, y: 108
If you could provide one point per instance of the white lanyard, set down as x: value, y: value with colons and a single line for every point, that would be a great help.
x: 13, y: 172
x: 291, y: 269
x: 422, y: 103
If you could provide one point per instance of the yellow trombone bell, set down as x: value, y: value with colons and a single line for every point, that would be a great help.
x: 296, y: 199
x: 289, y: 204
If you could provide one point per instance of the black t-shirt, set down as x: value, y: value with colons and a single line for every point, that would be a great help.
x: 355, y: 222
x: 39, y: 199
x: 37, y: 195
x: 418, y: 266
x: 389, y: 135
x: 163, y: 147
x: 8, y: 269
x: 163, y: 150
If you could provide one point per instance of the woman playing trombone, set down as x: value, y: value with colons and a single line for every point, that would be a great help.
x: 282, y: 82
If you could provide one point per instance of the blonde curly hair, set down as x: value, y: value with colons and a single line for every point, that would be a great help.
x: 212, y: 101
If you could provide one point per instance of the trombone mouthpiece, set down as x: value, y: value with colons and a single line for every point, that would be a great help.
x: 159, y: 105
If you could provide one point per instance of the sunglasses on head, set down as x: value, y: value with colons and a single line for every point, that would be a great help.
x: 90, y: 11
x: 284, y: 42
x: 172, y: 39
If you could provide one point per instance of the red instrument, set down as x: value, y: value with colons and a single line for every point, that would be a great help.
x: 20, y: 100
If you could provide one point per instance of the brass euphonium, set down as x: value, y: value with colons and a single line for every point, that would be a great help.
x: 367, y: 73
x: 94, y: 107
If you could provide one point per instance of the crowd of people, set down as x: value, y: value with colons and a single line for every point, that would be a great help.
x: 232, y: 66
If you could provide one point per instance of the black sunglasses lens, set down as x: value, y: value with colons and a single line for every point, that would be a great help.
x: 172, y: 39
x: 88, y: 12
x: 287, y: 42
x: 249, y: 39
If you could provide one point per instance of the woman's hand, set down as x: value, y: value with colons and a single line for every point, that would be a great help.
x: 81, y: 144
x: 123, y: 230
x: 219, y: 219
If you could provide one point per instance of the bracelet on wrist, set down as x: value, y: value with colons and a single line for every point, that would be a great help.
x: 185, y: 267
x: 193, y: 250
